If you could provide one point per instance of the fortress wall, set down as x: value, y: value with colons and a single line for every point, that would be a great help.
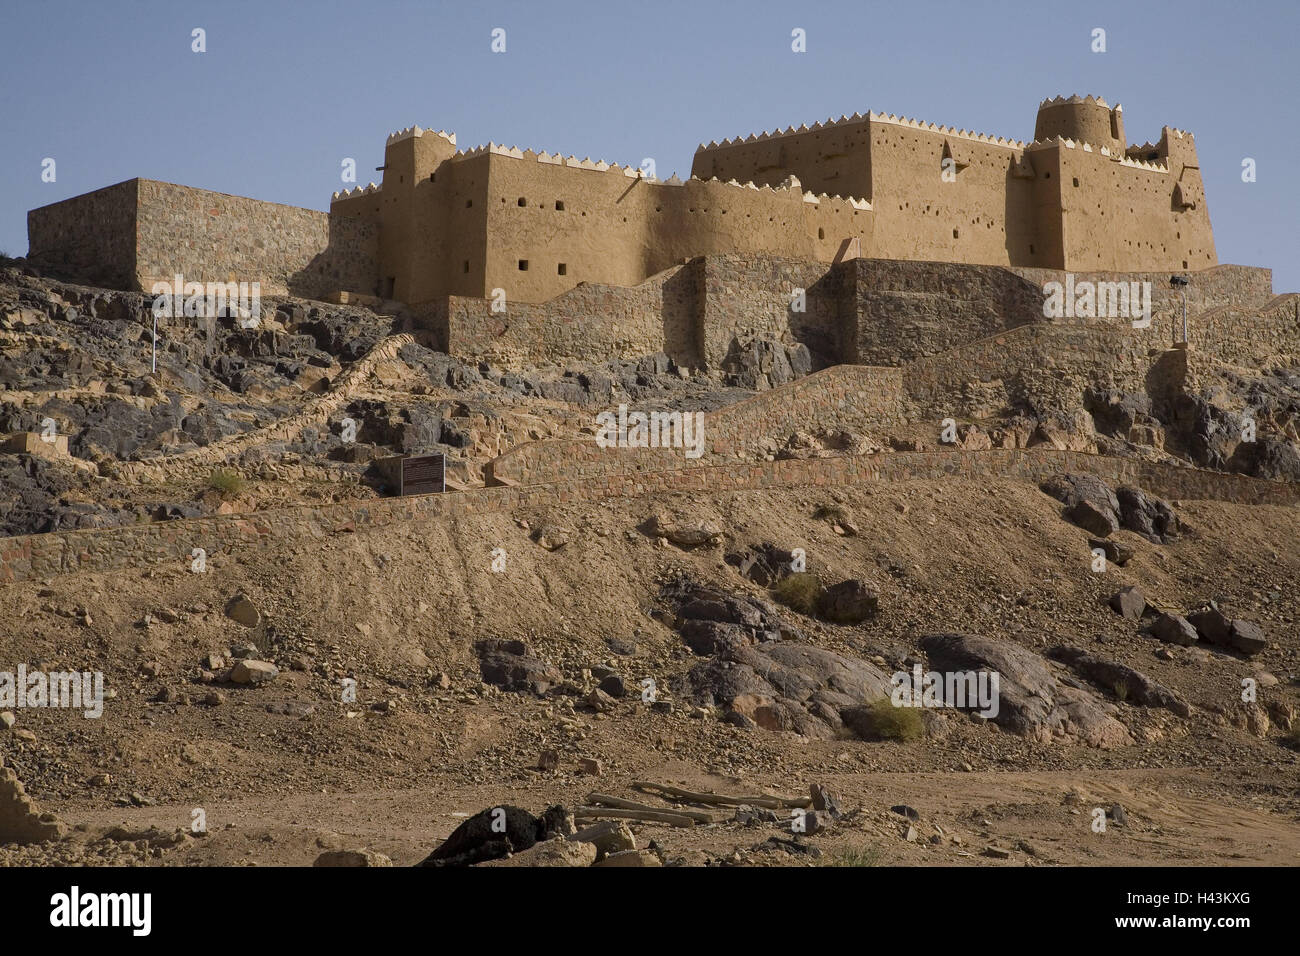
x: 448, y: 251
x: 841, y: 398
x: 600, y: 234
x: 208, y: 236
x: 898, y: 311
x: 1051, y: 205
x: 33, y: 557
x: 1060, y: 360
x: 89, y: 238
x: 1211, y: 290
x: 834, y: 160
x: 1122, y: 215
x: 617, y: 229
x: 985, y: 215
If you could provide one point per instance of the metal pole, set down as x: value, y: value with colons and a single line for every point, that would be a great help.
x: 155, y: 343
x: 1184, y: 291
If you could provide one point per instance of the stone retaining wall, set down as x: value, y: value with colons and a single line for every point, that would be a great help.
x: 841, y: 398
x: 589, y: 321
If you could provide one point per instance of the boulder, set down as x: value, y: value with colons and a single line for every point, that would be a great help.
x: 1128, y: 602
x: 497, y: 832
x: 253, y: 672
x: 243, y: 611
x: 785, y: 686
x: 1123, y: 681
x: 1174, y: 629
x: 1247, y: 637
x: 352, y: 858
x: 608, y: 836
x: 849, y: 602
x: 1212, y: 625
x: 1151, y: 517
x: 20, y: 820
x: 551, y: 853
x: 511, y: 666
x: 1093, y: 518
x: 1031, y: 703
x: 1116, y: 553
x: 632, y: 858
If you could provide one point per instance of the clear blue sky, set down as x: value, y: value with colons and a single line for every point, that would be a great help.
x: 286, y: 90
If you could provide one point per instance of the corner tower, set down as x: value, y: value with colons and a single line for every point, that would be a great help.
x: 1085, y: 119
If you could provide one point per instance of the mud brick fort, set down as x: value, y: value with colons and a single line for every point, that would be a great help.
x: 446, y: 227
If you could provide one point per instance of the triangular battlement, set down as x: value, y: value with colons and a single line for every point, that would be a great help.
x: 858, y: 118
x: 416, y: 131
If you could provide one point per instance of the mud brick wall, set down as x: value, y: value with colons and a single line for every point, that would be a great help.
x: 209, y: 236
x: 89, y: 238
x: 750, y: 296
x: 897, y: 311
x: 38, y: 556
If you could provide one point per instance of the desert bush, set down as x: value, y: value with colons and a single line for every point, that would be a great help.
x: 800, y: 591
x: 881, y: 720
x: 857, y: 856
x: 227, y: 481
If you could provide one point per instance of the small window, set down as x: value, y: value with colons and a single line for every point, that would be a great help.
x: 523, y: 265
x: 468, y: 203
x: 1047, y: 175
x: 1031, y: 248
x: 433, y: 177
x: 467, y: 265
x: 523, y: 201
x: 821, y: 233
x: 1076, y: 182
x: 562, y: 269
x: 559, y: 205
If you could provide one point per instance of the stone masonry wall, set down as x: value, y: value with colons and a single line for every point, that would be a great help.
x: 1058, y: 361
x: 89, y: 238
x: 588, y: 322
x: 1054, y: 362
x: 751, y: 296
x: 208, y: 236
x: 901, y: 310
x: 843, y: 397
x: 38, y: 556
x: 1243, y: 286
